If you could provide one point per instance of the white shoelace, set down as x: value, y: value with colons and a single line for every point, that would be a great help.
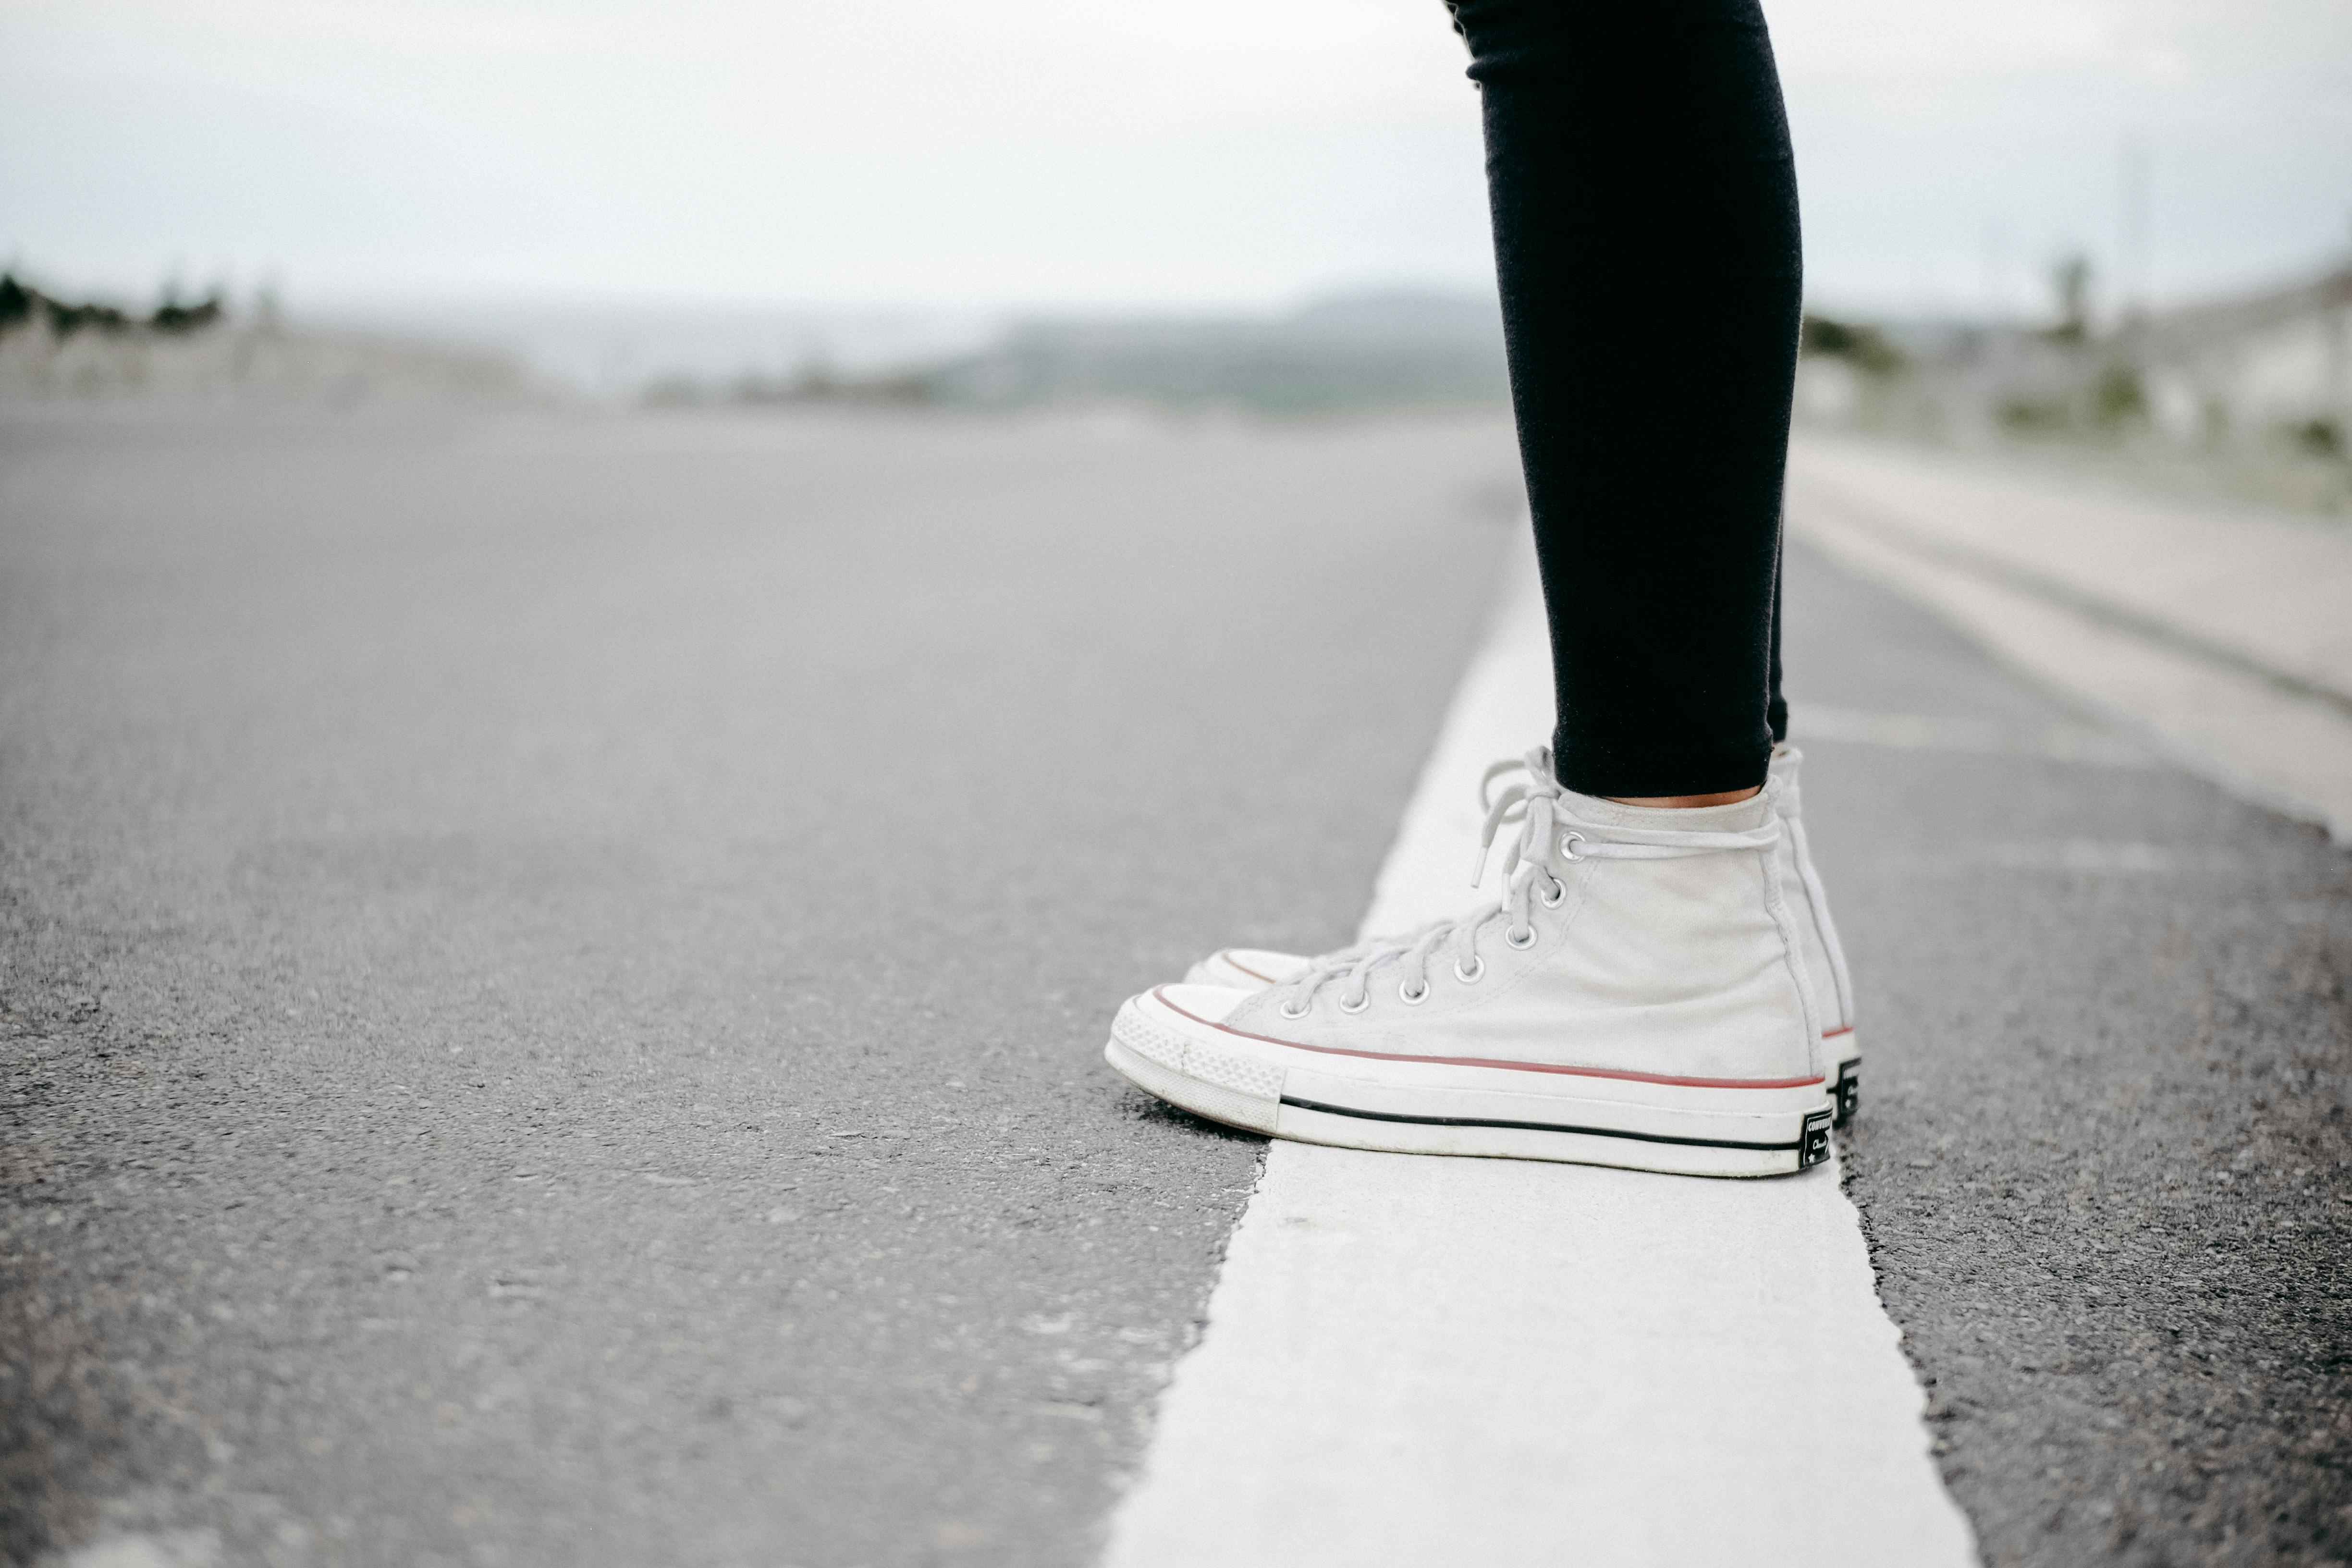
x: 1537, y: 805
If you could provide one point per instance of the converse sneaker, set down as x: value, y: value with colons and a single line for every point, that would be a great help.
x: 1817, y: 933
x: 1635, y: 998
x: 1252, y: 968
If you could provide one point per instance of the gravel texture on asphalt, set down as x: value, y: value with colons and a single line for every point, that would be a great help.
x: 555, y: 971
x: 2105, y: 1162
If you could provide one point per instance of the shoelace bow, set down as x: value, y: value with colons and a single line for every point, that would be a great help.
x: 1537, y: 805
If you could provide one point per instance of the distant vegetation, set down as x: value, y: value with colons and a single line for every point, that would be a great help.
x: 2254, y: 393
x: 22, y: 305
x: 815, y: 385
x: 1865, y: 348
x: 1367, y: 350
x: 54, y: 349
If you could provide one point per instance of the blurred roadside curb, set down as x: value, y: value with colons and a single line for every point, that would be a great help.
x: 2225, y: 638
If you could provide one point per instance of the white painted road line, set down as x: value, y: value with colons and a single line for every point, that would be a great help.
x: 1417, y: 1361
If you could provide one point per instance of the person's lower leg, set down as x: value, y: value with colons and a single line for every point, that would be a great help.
x: 1646, y: 244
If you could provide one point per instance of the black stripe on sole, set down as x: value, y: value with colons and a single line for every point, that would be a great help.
x: 1793, y: 1146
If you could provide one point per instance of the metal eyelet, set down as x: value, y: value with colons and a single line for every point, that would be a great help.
x: 1472, y: 975
x: 1511, y: 936
x: 1362, y: 1002
x: 1567, y: 843
x: 1552, y: 897
x: 1409, y: 996
x: 1286, y: 1012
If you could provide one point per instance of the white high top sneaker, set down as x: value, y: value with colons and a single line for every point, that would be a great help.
x: 1251, y: 968
x: 1832, y: 983
x: 1635, y: 998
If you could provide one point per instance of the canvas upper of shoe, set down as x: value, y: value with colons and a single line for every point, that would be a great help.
x: 1635, y: 998
x: 1635, y: 940
x: 1801, y: 886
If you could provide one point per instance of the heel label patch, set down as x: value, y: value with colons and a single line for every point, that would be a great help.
x: 1813, y: 1144
x: 1849, y: 1091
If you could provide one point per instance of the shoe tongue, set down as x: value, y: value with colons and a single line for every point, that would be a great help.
x: 1739, y: 817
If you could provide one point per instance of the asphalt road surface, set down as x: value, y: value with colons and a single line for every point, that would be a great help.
x: 554, y: 970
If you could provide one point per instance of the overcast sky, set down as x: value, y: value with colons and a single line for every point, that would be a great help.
x: 1092, y: 153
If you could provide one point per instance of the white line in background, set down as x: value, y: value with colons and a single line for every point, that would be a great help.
x: 2289, y: 752
x: 1416, y: 1361
x: 2220, y: 638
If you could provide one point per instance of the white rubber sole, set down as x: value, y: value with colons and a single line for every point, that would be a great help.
x: 1442, y: 1108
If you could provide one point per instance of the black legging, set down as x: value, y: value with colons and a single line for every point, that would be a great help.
x: 1645, y: 237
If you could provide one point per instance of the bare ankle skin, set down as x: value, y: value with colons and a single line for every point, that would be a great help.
x: 1727, y: 797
